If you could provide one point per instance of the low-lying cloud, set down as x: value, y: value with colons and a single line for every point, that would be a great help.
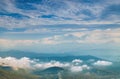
x: 102, y: 63
x: 44, y: 65
x: 15, y: 63
x: 79, y: 68
x: 75, y: 65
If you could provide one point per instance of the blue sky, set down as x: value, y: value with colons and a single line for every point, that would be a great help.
x: 60, y: 26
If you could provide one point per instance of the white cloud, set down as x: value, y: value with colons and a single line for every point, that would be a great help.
x: 77, y: 61
x: 97, y: 36
x: 68, y: 65
x: 44, y: 65
x: 104, y: 36
x: 102, y: 63
x: 27, y: 63
x: 24, y: 63
x: 71, y: 9
x: 76, y: 68
x: 79, y: 68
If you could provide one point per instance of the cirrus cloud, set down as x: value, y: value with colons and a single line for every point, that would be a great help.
x: 15, y: 15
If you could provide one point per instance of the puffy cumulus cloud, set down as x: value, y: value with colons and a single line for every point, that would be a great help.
x: 79, y: 68
x: 33, y: 64
x: 44, y: 65
x: 76, y: 68
x: 24, y: 63
x: 77, y: 61
x: 102, y: 63
x: 68, y: 65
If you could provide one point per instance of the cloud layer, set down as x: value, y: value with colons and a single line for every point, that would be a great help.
x: 17, y: 14
x: 85, y: 37
x: 76, y: 65
x: 15, y: 63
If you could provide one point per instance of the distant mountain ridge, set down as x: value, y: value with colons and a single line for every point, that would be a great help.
x: 18, y: 54
x: 46, y: 56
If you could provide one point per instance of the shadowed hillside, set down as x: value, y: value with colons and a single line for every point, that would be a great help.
x: 6, y: 74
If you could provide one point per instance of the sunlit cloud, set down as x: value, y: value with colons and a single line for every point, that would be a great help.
x: 27, y: 63
x: 22, y: 63
x: 102, y: 63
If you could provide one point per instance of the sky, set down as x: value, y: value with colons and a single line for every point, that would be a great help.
x: 61, y: 26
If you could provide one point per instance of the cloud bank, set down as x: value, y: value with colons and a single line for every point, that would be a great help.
x: 76, y: 65
x: 23, y: 63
